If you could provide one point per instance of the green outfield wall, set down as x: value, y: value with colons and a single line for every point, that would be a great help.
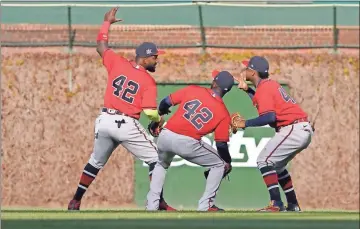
x: 185, y: 182
x: 186, y: 15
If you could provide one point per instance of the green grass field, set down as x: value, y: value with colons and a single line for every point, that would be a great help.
x: 111, y: 219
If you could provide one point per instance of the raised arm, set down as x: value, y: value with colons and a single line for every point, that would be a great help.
x: 243, y: 86
x: 103, y: 36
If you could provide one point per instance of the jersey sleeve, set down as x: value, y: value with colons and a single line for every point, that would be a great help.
x: 178, y: 95
x: 149, y: 95
x: 264, y: 100
x: 110, y: 58
x: 222, y: 130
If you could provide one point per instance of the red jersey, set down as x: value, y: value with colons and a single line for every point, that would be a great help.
x: 271, y: 97
x: 200, y: 112
x: 130, y: 88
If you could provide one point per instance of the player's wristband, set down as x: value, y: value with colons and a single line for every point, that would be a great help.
x: 250, y: 92
x: 104, y: 31
x: 223, y: 151
x: 164, y: 106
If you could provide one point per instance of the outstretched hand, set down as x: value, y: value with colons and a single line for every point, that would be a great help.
x: 242, y: 83
x: 110, y: 16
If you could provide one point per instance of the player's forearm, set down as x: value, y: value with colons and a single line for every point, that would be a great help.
x: 153, y: 115
x: 262, y: 120
x: 250, y: 92
x: 164, y: 105
x: 102, y: 38
x: 223, y: 151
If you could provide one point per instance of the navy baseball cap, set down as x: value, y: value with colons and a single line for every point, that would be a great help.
x: 257, y: 63
x: 147, y: 49
x: 223, y: 79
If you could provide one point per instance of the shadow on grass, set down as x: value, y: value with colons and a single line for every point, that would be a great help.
x: 179, y: 224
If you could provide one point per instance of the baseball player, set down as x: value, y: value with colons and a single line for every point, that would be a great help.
x: 130, y: 90
x: 201, y: 111
x: 293, y: 131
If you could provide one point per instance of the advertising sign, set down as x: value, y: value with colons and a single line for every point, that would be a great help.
x: 185, y: 181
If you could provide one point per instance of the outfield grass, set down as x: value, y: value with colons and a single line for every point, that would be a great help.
x: 111, y: 219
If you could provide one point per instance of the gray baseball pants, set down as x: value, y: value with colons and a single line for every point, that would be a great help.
x: 285, y: 145
x: 198, y: 152
x: 112, y: 130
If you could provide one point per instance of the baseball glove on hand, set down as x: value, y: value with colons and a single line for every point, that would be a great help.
x: 155, y: 127
x: 237, y: 122
x: 165, y: 112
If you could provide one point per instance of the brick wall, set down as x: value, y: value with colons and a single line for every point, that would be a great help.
x: 187, y: 35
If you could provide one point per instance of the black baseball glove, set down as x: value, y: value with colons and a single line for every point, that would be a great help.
x: 164, y: 112
x: 155, y: 127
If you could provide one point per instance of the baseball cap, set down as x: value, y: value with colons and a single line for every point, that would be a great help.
x: 223, y: 79
x: 257, y: 63
x: 147, y: 49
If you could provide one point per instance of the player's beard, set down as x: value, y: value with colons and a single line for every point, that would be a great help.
x: 151, y: 68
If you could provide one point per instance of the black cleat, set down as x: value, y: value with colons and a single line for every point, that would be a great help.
x: 293, y: 208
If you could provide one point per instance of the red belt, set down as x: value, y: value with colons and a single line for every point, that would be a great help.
x: 294, y: 122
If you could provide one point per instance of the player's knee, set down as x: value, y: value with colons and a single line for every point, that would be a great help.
x: 150, y: 156
x: 264, y: 163
x: 221, y: 164
x: 96, y: 163
x: 165, y: 158
x: 164, y: 164
x: 280, y: 170
x: 151, y: 168
x: 152, y: 165
x: 260, y: 162
x: 216, y: 164
x: 152, y: 160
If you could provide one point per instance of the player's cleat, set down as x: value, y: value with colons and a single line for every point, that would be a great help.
x: 293, y: 208
x: 163, y: 206
x: 215, y: 209
x: 74, y: 205
x: 274, y: 206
